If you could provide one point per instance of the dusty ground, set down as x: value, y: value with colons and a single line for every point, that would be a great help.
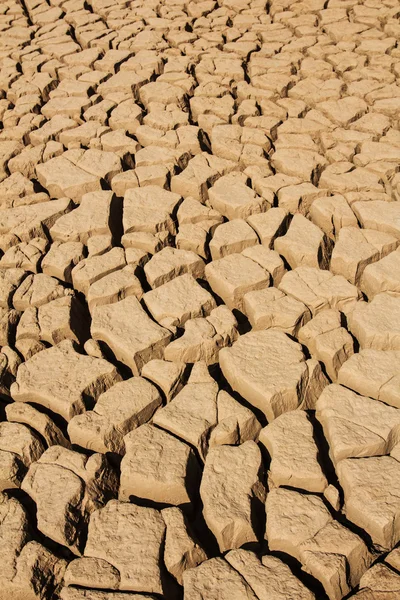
x: 199, y: 299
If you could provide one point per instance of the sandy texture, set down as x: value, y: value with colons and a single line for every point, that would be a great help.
x: 199, y: 299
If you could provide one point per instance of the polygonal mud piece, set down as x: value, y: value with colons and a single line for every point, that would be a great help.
x: 271, y: 308
x: 304, y: 244
x: 268, y: 260
x: 136, y: 257
x: 158, y: 467
x: 293, y: 518
x: 160, y: 91
x: 269, y: 225
x: 393, y: 558
x: 231, y: 237
x: 316, y: 90
x: 166, y: 118
x: 8, y: 322
x: 28, y: 326
x: 62, y: 179
x: 343, y: 111
x: 127, y: 116
x: 224, y: 323
x: 27, y: 222
x: 25, y: 162
x: 198, y: 342
x: 233, y: 494
x: 122, y: 408
x: 168, y: 376
x: 371, y: 489
x: 123, y: 83
x: 269, y: 577
x: 382, y: 276
x: 304, y: 164
x: 91, y: 269
x: 37, y: 290
x: 200, y: 173
x: 27, y: 256
x: 14, y: 535
x: 170, y: 263
x: 289, y: 440
x: 331, y: 213
x: 319, y: 289
x: 60, y: 319
x: 121, y: 144
x: 150, y: 209
x: 28, y: 347
x: 356, y: 426
x: 181, y: 551
x: 156, y: 155
x: 130, y: 538
x: 130, y: 333
x: 231, y: 197
x: 66, y: 487
x: 168, y: 154
x: 270, y: 371
x: 195, y: 237
x: 231, y: 141
x: 127, y: 180
x: 192, y: 414
x: 93, y: 348
x: 204, y: 337
x: 356, y: 248
x: 10, y: 279
x: 12, y: 471
x: 25, y: 413
x: 62, y: 380
x: 381, y: 579
x: 147, y: 243
x: 10, y: 361
x: 103, y: 165
x: 350, y: 179
x: 376, y: 324
x: 20, y: 440
x: 337, y: 557
x: 91, y: 572
x: 114, y: 287
x: 92, y: 217
x: 81, y: 135
x: 379, y: 215
x: 61, y: 259
x: 23, y: 560
x: 182, y: 298
x: 192, y: 211
x: 215, y: 579
x: 327, y: 340
x: 99, y: 244
x: 36, y: 558
x: 233, y: 276
x: 374, y: 373
x: 236, y: 423
x: 16, y: 186
x: 8, y: 149
x: 298, y: 198
x: 71, y: 106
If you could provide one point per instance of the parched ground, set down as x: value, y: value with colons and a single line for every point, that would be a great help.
x: 199, y: 300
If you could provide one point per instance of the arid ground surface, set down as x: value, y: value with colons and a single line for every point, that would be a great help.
x: 199, y: 300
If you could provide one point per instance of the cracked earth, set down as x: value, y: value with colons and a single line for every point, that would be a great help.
x: 199, y: 300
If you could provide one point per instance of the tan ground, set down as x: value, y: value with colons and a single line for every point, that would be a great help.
x: 199, y: 299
